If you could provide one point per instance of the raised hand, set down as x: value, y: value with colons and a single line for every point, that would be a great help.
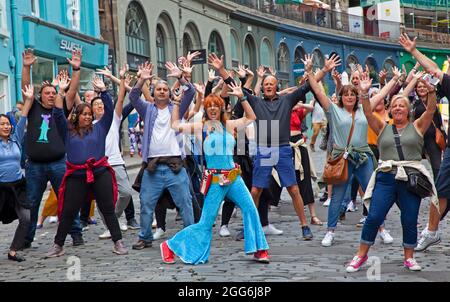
x: 127, y: 80
x: 337, y: 77
x: 200, y: 88
x: 123, y: 71
x: 145, y: 71
x: 418, y: 75
x: 98, y: 84
x: 192, y: 56
x: 187, y: 69
x: 382, y: 75
x: 241, y: 71
x: 174, y: 71
x: 365, y: 83
x: 272, y: 72
x: 28, y: 57
x: 236, y: 90
x: 28, y: 92
x: 63, y: 81
x: 331, y: 63
x: 397, y: 72
x: 212, y: 76
x: 105, y: 72
x: 215, y: 61
x: 261, y: 71
x: 75, y: 62
x: 408, y: 44
x: 308, y: 63
x: 248, y: 72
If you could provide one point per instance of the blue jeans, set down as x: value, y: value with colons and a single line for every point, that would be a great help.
x: 38, y: 174
x: 153, y: 185
x: 388, y: 191
x: 341, y: 191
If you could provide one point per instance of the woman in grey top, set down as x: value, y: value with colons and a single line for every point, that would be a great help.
x: 389, y: 180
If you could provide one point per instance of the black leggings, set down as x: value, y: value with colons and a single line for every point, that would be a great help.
x: 76, y: 194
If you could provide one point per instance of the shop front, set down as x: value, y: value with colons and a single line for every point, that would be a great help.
x: 53, y: 44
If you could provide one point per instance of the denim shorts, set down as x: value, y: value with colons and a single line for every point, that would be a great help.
x: 443, y: 179
x: 269, y: 157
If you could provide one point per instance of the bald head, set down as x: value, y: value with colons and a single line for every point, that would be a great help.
x: 270, y: 85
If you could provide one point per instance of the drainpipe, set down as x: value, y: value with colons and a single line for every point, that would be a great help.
x: 16, y: 46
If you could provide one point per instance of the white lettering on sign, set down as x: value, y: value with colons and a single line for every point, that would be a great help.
x: 70, y: 46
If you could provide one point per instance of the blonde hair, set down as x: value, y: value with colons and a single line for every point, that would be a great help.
x: 405, y: 100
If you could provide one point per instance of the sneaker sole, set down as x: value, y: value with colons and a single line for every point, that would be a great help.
x: 104, y: 238
x: 264, y: 260
x: 120, y: 254
x: 431, y: 244
x: 56, y: 256
x: 162, y: 255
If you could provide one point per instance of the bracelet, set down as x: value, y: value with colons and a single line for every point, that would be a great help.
x: 364, y: 96
x: 243, y: 99
x: 76, y: 69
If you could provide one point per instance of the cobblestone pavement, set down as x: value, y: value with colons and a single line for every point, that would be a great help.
x: 292, y: 259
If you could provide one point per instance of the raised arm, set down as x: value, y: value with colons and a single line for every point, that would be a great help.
x: 337, y: 79
x: 135, y: 95
x: 321, y: 97
x: 106, y: 120
x: 28, y: 94
x: 58, y: 111
x: 75, y: 62
x: 363, y: 91
x: 330, y: 64
x: 176, y: 122
x: 423, y: 123
x: 429, y: 66
x: 218, y: 64
x: 28, y: 59
x: 249, y: 115
x: 122, y: 94
x: 386, y: 89
x: 412, y: 83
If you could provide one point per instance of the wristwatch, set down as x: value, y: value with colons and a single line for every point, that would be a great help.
x: 243, y: 99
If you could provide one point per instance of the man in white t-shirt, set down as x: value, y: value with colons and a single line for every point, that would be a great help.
x: 319, y: 122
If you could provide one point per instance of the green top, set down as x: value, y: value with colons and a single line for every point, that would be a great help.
x: 411, y: 140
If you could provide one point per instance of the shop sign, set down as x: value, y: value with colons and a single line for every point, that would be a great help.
x: 70, y: 46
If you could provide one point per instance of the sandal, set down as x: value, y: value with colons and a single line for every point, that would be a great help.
x: 316, y: 221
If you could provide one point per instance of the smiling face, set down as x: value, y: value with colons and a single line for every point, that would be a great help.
x: 348, y: 97
x: 270, y: 85
x: 356, y: 78
x: 5, y: 127
x: 421, y: 89
x: 85, y: 118
x: 400, y: 108
x: 98, y: 108
x: 48, y: 96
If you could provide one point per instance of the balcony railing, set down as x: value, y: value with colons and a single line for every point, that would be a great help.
x: 345, y: 22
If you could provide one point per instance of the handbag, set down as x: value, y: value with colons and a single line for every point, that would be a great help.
x: 440, y: 139
x: 417, y: 183
x: 336, y: 170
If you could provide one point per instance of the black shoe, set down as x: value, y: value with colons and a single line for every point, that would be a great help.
x: 16, y: 258
x: 324, y: 197
x: 140, y: 245
x: 240, y: 235
x: 307, y: 234
x: 77, y: 240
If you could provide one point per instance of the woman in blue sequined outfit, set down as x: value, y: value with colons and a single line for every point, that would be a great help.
x: 192, y: 244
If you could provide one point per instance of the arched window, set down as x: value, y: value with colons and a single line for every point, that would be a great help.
x: 318, y: 59
x: 161, y: 52
x: 283, y: 58
x: 351, y: 63
x: 215, y: 44
x: 266, y: 53
x: 373, y: 69
x: 137, y: 34
x: 249, y: 58
x: 388, y: 65
x: 299, y: 55
x: 187, y: 43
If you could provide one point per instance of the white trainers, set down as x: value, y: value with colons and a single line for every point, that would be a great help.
x: 426, y: 240
x: 328, y: 239
x: 105, y: 235
x: 159, y: 234
x: 271, y: 230
x: 224, y: 232
x: 123, y: 227
x: 53, y: 219
x: 327, y: 202
x: 385, y: 236
x: 412, y: 265
x: 351, y: 207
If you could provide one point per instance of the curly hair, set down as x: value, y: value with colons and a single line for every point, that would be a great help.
x: 74, y: 123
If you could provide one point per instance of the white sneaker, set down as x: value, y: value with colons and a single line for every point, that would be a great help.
x: 159, y: 234
x: 412, y: 265
x: 123, y: 227
x: 224, y: 232
x: 105, y: 235
x: 271, y: 230
x: 327, y: 202
x: 53, y: 219
x: 386, y: 237
x: 351, y: 207
x: 426, y: 240
x: 328, y: 239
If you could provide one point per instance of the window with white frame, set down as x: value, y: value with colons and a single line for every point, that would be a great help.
x: 3, y: 21
x: 5, y: 101
x: 35, y: 11
x: 73, y: 14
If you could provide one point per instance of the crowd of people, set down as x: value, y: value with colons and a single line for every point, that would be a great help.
x: 200, y: 154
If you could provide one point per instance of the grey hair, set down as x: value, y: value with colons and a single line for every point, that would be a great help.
x: 405, y: 100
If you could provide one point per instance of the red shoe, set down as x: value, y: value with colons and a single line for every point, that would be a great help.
x: 262, y: 256
x: 167, y: 255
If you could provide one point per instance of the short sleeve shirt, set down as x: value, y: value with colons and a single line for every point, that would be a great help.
x: 341, y: 121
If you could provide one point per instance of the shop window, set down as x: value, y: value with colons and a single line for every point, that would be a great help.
x: 266, y: 54
x: 35, y: 9
x: 137, y: 33
x: 161, y: 51
x: 318, y: 59
x: 43, y: 70
x: 215, y: 44
x: 388, y: 65
x: 373, y: 69
x: 299, y: 55
x: 86, y: 76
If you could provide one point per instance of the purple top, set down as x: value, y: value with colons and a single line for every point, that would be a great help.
x: 91, y: 145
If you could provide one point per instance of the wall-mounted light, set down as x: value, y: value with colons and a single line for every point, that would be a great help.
x: 433, y: 57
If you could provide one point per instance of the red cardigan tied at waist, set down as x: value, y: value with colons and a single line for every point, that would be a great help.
x: 90, y: 165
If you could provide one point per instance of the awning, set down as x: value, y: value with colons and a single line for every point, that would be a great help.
x: 316, y: 3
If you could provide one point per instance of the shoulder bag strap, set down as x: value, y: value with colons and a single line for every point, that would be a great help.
x: 398, y: 144
x: 351, y: 130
